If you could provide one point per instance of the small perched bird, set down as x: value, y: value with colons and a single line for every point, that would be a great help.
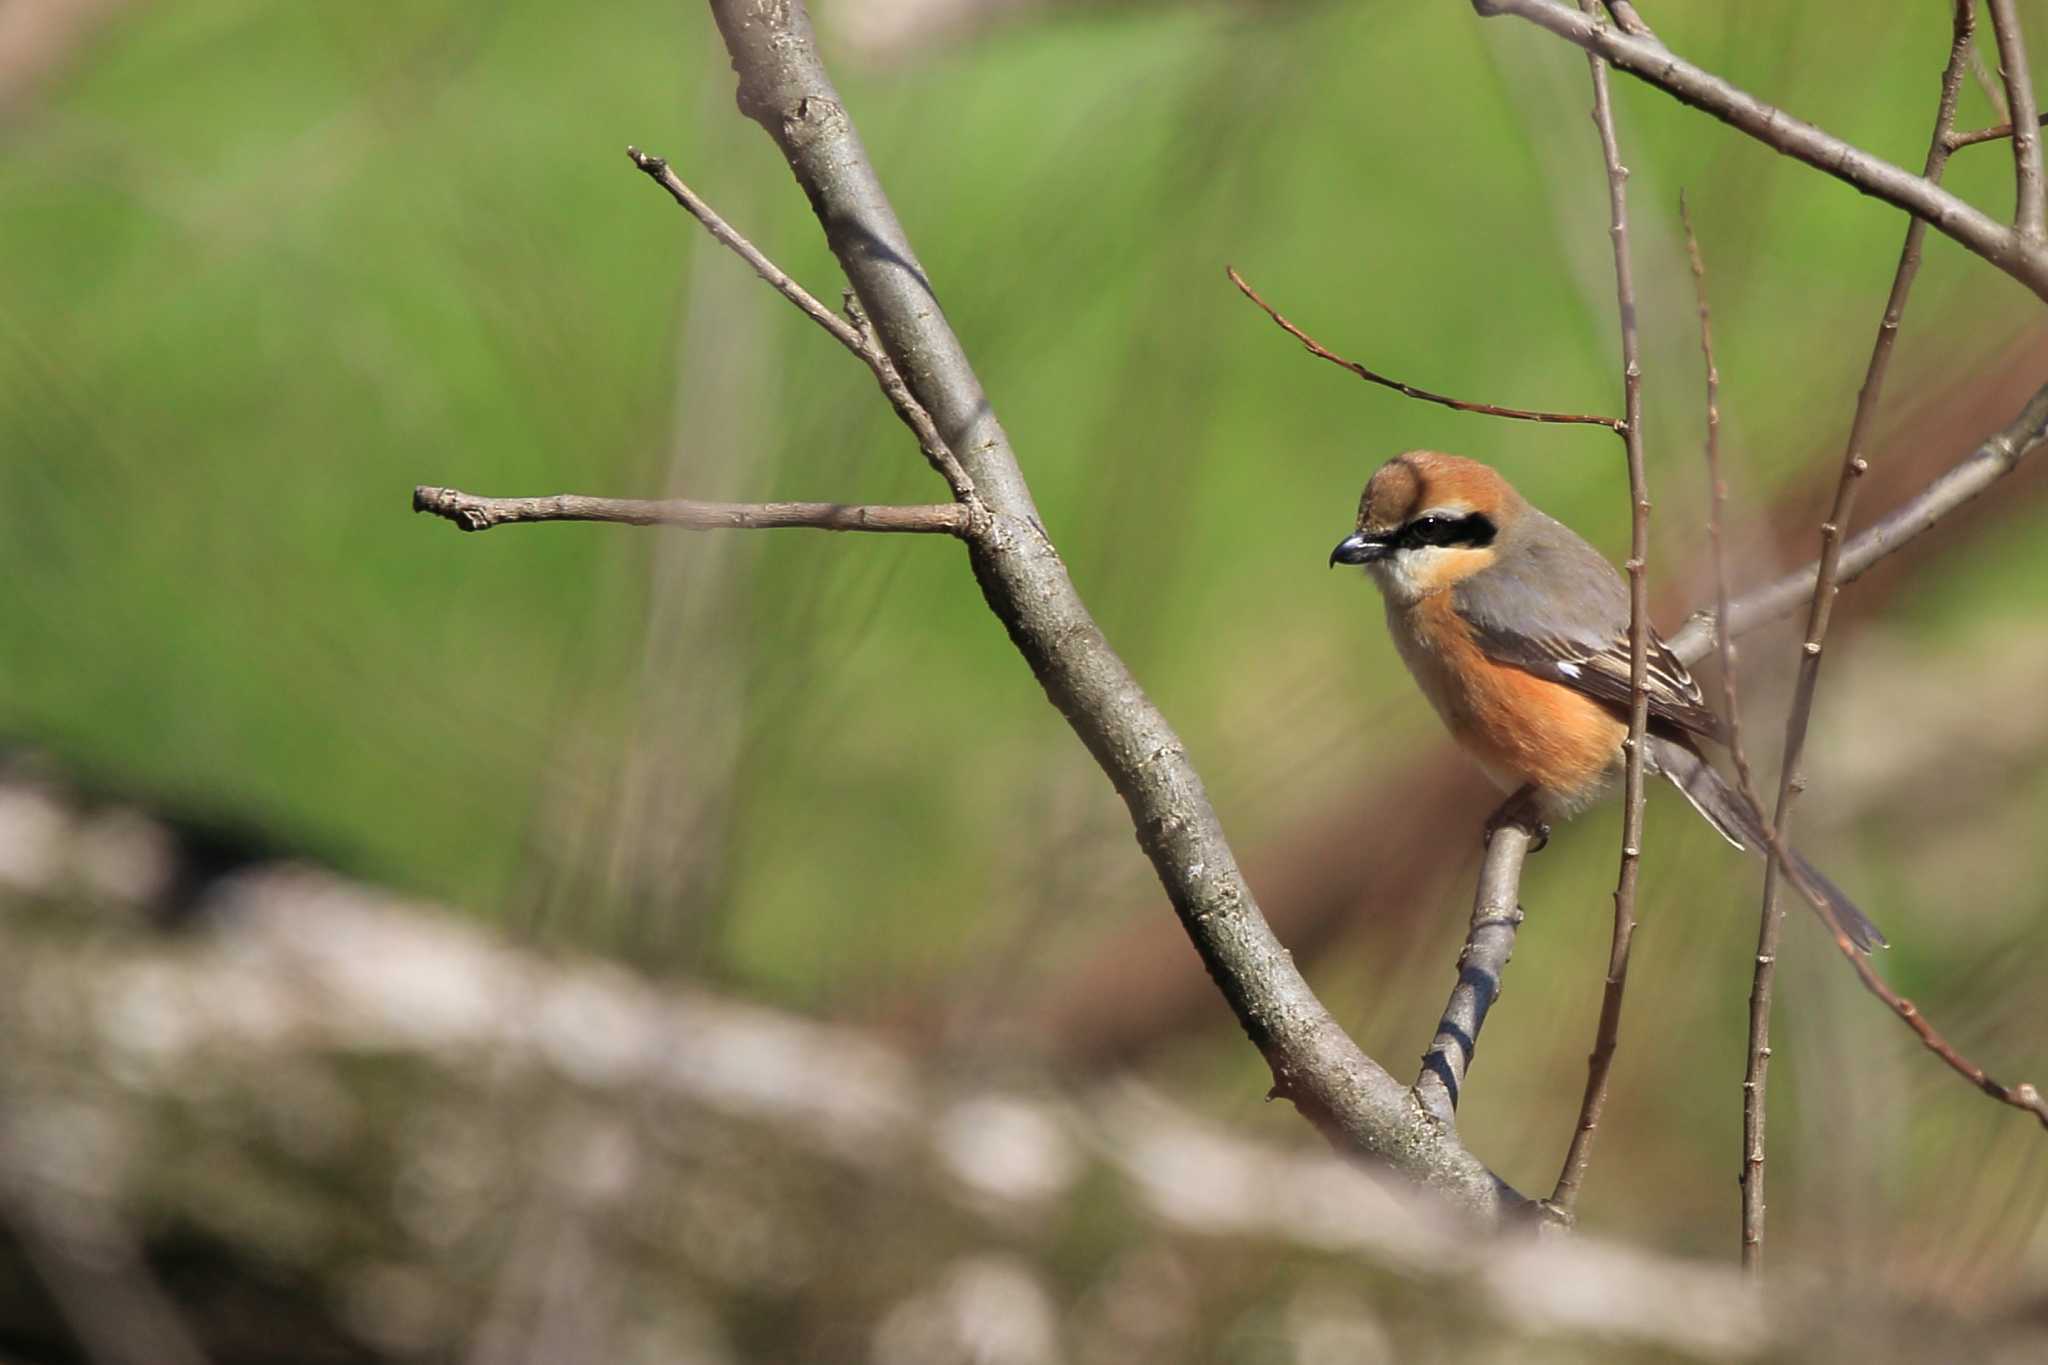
x: 1517, y: 632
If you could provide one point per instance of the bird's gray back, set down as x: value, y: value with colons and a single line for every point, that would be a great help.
x: 1560, y: 588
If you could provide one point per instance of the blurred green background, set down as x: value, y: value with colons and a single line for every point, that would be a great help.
x: 268, y: 266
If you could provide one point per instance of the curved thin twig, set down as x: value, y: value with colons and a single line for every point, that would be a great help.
x: 1315, y: 347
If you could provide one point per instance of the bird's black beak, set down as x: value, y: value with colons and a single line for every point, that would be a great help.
x: 1359, y: 548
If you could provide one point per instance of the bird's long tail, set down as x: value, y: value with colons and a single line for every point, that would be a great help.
x: 1743, y: 827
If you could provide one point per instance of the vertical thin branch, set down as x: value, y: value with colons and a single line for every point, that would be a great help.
x: 1600, y: 1063
x: 2029, y: 206
x: 1792, y: 777
x: 1724, y: 643
x: 1717, y: 512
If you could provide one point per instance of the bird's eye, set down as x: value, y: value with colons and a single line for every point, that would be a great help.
x: 1433, y: 530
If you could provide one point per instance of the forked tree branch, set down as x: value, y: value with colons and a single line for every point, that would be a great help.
x: 911, y: 412
x: 783, y: 86
x: 473, y: 513
x: 2025, y: 258
x: 1599, y: 1065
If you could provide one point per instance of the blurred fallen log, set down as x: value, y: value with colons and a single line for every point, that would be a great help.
x: 323, y: 1122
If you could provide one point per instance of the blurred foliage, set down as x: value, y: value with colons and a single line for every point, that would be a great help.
x: 271, y: 265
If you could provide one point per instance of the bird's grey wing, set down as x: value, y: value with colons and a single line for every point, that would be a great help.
x: 1564, y: 617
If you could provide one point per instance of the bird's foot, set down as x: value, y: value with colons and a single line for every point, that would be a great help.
x: 1520, y: 810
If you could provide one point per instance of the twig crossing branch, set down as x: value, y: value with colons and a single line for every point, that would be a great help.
x: 1996, y: 456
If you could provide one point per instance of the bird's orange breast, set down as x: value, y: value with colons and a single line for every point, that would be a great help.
x: 1521, y: 728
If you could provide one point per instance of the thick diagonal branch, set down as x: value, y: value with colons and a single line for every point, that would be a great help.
x: 784, y: 87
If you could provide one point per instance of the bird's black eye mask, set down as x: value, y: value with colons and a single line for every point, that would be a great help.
x: 1472, y: 530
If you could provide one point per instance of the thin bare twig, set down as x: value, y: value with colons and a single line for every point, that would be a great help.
x: 1599, y: 1065
x: 1489, y: 943
x: 1792, y: 778
x: 1996, y: 456
x: 2030, y: 209
x: 1988, y: 82
x: 1409, y: 390
x: 908, y: 408
x: 473, y: 513
x: 1996, y: 132
x: 2023, y: 258
x: 2021, y: 1096
x: 1717, y: 511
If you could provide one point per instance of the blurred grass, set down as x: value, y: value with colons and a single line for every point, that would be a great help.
x: 272, y: 265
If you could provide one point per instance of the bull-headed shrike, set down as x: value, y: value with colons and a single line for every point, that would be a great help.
x: 1517, y: 632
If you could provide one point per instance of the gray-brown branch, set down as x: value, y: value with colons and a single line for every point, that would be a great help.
x: 2023, y: 257
x: 1489, y: 943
